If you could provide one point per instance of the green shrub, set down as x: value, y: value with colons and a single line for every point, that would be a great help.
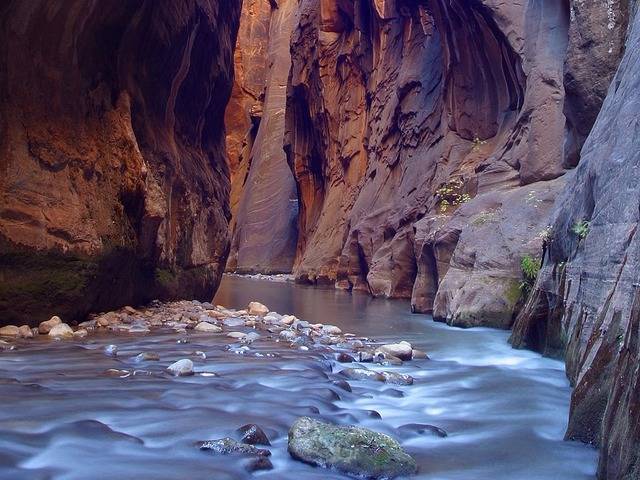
x: 530, y: 267
x: 581, y: 228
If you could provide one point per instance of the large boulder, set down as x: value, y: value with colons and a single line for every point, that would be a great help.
x: 352, y: 450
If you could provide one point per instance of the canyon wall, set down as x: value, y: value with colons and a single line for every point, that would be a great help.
x: 429, y: 140
x: 264, y: 200
x: 586, y: 301
x: 113, y: 179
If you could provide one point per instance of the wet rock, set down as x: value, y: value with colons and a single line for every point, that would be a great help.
x: 181, y: 368
x: 345, y: 358
x: 419, y: 355
x: 227, y: 446
x: 238, y: 335
x: 256, y: 308
x: 61, y: 330
x: 288, y: 335
x: 233, y: 322
x: 258, y: 463
x: 343, y: 384
x: 26, y: 331
x: 252, y: 434
x: 362, y: 374
x: 421, y: 429
x: 111, y: 350
x: 207, y: 327
x: 397, y: 378
x: 352, y: 450
x: 365, y: 357
x: 331, y: 330
x: 116, y: 372
x: 147, y: 357
x: 386, y: 359
x: 9, y: 331
x: 200, y: 354
x: 80, y: 333
x: 45, y: 327
x: 250, y: 337
x: 401, y: 350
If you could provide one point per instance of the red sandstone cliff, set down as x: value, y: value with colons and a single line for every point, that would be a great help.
x: 113, y: 185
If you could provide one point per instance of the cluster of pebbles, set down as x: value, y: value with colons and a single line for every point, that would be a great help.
x: 241, y: 327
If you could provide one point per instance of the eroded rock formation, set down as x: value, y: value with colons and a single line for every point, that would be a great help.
x: 586, y: 300
x: 113, y: 180
x: 412, y: 124
x: 264, y: 199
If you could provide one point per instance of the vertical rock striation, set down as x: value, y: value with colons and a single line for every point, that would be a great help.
x: 113, y: 180
x: 428, y: 142
x: 264, y: 196
x: 586, y: 300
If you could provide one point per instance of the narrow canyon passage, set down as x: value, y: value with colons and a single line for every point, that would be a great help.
x: 320, y: 239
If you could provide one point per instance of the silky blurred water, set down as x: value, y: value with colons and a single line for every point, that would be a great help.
x: 505, y: 410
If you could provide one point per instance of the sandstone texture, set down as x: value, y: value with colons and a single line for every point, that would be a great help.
x: 586, y: 301
x: 264, y: 199
x: 113, y: 180
x: 429, y: 139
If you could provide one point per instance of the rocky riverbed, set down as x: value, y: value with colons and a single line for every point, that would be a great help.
x: 170, y: 391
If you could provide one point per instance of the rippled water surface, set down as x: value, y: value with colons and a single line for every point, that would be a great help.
x: 505, y: 410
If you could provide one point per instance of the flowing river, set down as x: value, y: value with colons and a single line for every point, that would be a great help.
x: 504, y: 410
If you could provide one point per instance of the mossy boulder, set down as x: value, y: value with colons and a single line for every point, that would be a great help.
x: 352, y: 450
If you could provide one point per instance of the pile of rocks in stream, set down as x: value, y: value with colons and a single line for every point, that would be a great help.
x: 349, y: 449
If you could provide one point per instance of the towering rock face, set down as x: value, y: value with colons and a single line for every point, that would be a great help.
x: 113, y: 180
x: 428, y: 141
x: 586, y: 299
x: 264, y: 197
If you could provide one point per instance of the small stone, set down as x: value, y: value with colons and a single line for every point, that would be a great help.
x: 397, y: 378
x: 9, y: 331
x: 258, y: 463
x: 181, y: 368
x: 61, y: 330
x: 207, y: 327
x: 130, y: 310
x: 251, y: 337
x: 331, y: 330
x: 345, y: 358
x: 111, y: 350
x: 402, y: 350
x: 256, y: 308
x: 26, y: 331
x: 288, y: 335
x: 233, y: 322
x: 226, y: 446
x: 252, y: 434
x: 343, y: 384
x: 365, y: 357
x: 362, y: 374
x: 115, y: 372
x: 288, y: 319
x: 419, y: 355
x: 147, y: 357
x: 421, y: 429
x: 238, y: 335
x: 45, y: 327
x: 81, y: 333
x: 200, y: 354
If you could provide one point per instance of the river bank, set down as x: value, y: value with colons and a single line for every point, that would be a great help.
x: 504, y: 411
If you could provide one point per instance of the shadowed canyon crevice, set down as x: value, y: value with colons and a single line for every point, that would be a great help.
x: 113, y: 180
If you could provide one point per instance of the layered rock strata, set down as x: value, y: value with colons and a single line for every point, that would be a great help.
x: 113, y: 180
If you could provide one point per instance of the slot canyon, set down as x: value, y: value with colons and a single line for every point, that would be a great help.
x: 453, y: 177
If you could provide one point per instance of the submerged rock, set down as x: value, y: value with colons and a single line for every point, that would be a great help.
x: 147, y: 356
x: 258, y: 463
x: 252, y: 434
x: 181, y: 368
x: 111, y: 350
x: 227, y: 446
x: 352, y: 450
x: 207, y: 327
x: 421, y: 429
